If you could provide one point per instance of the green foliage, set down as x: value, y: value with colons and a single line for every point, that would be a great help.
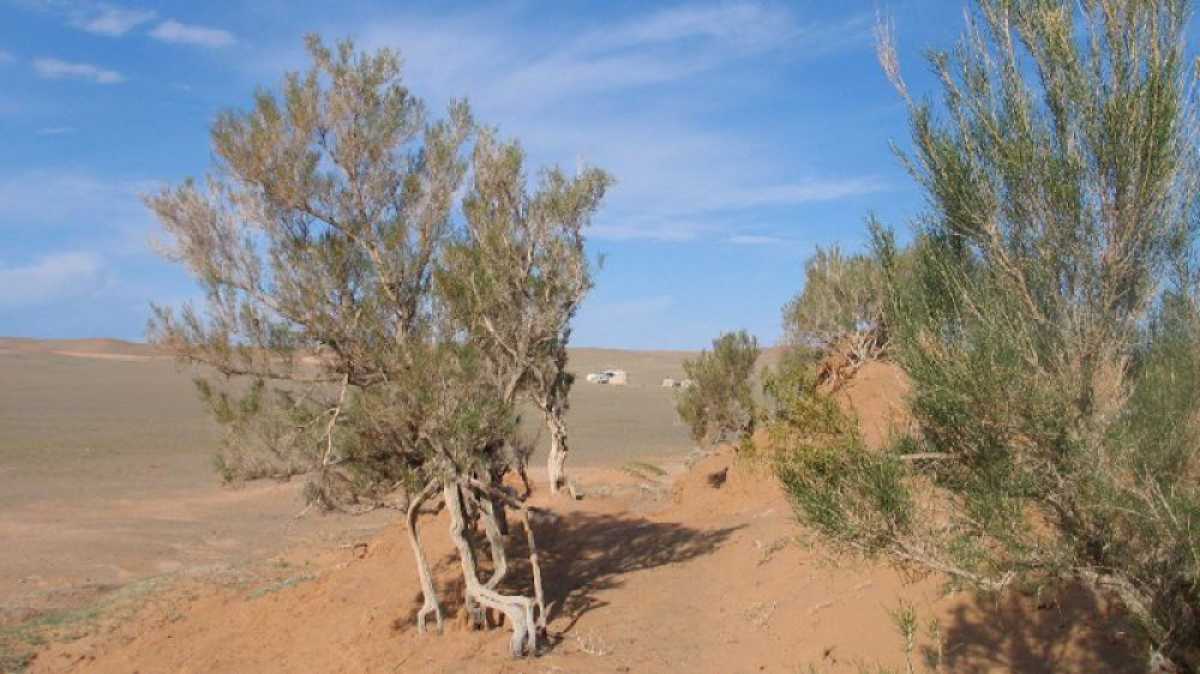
x: 366, y: 335
x: 262, y: 438
x: 515, y: 277
x: 719, y: 403
x: 850, y: 494
x: 1053, y: 378
x: 842, y: 296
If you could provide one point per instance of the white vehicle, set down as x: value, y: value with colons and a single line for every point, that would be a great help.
x: 614, y: 377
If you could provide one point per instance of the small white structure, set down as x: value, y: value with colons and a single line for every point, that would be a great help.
x: 614, y: 377
x: 670, y: 383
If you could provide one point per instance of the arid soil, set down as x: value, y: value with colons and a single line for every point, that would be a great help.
x: 106, y: 479
x: 106, y: 474
x: 664, y: 566
x: 643, y: 578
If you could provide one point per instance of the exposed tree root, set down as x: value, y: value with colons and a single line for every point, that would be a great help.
x: 428, y: 591
x: 504, y: 497
x: 519, y: 610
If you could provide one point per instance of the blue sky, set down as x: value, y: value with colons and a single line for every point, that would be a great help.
x: 742, y: 135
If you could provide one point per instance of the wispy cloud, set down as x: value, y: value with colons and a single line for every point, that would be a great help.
x: 756, y: 240
x: 182, y: 33
x: 110, y: 20
x: 56, y: 130
x: 51, y: 277
x: 631, y: 98
x: 53, y: 69
x: 802, y: 192
x: 744, y: 23
x: 661, y: 46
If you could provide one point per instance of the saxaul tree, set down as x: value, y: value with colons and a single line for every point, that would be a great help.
x: 317, y: 238
x: 519, y: 274
x: 1048, y: 321
x: 841, y: 305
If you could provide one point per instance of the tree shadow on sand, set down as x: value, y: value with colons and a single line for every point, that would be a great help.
x: 581, y: 555
x: 1065, y: 630
x: 589, y: 553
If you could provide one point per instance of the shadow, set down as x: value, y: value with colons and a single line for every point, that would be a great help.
x: 581, y: 555
x: 1065, y: 629
x: 587, y: 553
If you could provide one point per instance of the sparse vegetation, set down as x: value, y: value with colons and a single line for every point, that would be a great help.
x: 387, y: 292
x: 1049, y: 322
x: 720, y: 404
x: 386, y: 341
x: 20, y: 642
x: 644, y: 471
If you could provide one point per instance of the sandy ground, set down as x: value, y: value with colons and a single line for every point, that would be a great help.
x: 106, y: 474
x: 642, y: 578
x: 130, y: 559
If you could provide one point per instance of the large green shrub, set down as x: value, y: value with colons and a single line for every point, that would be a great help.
x: 1048, y: 320
x: 718, y: 402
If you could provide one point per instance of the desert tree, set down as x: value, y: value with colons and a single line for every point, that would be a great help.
x: 317, y: 238
x: 718, y: 403
x: 1048, y: 321
x: 518, y: 274
x: 840, y: 304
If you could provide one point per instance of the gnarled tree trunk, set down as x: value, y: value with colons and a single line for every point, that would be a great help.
x: 428, y: 592
x: 556, y: 460
x: 519, y: 610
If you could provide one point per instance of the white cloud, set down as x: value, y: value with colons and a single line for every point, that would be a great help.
x: 49, y: 278
x: 182, y: 33
x: 110, y: 20
x: 646, y: 97
x: 745, y: 22
x: 56, y: 130
x: 657, y: 47
x: 53, y: 69
x: 755, y: 240
x: 803, y: 192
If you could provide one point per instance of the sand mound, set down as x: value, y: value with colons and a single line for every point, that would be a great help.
x: 877, y: 395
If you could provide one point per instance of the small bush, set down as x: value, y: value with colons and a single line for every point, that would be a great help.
x: 720, y: 403
x: 842, y: 303
x: 849, y: 493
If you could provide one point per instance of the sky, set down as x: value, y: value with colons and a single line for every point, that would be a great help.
x: 741, y: 134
